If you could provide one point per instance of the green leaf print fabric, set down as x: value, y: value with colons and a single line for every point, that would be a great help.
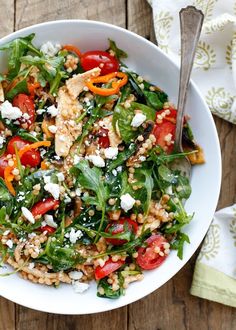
x: 214, y: 69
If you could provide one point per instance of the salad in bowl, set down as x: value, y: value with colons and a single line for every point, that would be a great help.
x: 86, y: 190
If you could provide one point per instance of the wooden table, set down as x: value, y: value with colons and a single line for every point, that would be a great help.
x: 170, y: 307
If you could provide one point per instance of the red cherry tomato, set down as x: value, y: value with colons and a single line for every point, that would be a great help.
x: 103, y: 138
x: 148, y: 258
x: 44, y: 206
x: 161, y: 131
x: 117, y: 227
x: 98, y: 58
x: 3, y: 164
x: 26, y: 105
x: 30, y: 158
x: 109, y: 267
x: 49, y: 229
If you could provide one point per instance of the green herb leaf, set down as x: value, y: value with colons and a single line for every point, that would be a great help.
x: 20, y: 87
x: 178, y: 243
x: 122, y: 157
x: 119, y: 53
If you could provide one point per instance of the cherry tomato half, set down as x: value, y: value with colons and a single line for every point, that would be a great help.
x: 148, y: 258
x: 3, y: 164
x: 103, y: 138
x: 48, y: 229
x: 30, y: 158
x: 109, y: 267
x: 117, y: 227
x: 99, y: 58
x: 44, y: 206
x: 161, y: 131
x: 26, y: 105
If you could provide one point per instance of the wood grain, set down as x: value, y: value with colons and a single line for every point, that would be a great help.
x: 171, y: 307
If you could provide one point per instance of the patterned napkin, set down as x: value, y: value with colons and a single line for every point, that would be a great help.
x: 215, y: 74
x: 215, y: 62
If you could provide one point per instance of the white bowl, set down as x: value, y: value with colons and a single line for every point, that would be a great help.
x: 146, y: 59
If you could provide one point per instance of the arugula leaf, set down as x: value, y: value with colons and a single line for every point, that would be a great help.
x: 60, y: 257
x: 178, y: 243
x: 6, y: 198
x: 123, y: 118
x: 20, y: 87
x: 119, y: 53
x: 107, y: 288
x: 122, y: 157
x: 166, y: 174
x: 183, y: 189
x: 145, y: 180
x: 26, y: 135
x: 180, y: 214
x: 91, y: 179
x: 18, y: 48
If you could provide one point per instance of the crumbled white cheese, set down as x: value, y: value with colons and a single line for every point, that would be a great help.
x: 142, y: 158
x: 31, y: 265
x: 138, y: 119
x: 53, y: 189
x: 52, y: 110
x: 2, y: 140
x: 49, y: 221
x: 77, y: 159
x: 80, y: 287
x: 96, y: 160
x: 40, y: 111
x: 74, y: 235
x: 127, y: 202
x: 9, y: 243
x: 26, y: 116
x: 111, y: 152
x: 9, y: 112
x: 119, y: 169
x: 114, y: 172
x: 75, y: 275
x: 27, y: 214
x: 60, y: 177
x: 6, y: 232
x: 52, y: 129
x: 50, y: 49
x: 78, y: 192
x: 31, y: 235
x: 46, y: 179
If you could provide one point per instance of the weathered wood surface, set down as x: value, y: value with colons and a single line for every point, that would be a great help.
x: 171, y: 307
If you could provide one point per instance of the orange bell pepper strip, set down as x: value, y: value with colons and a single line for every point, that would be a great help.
x: 115, y: 85
x: 34, y: 145
x: 8, y: 176
x: 72, y: 49
x: 32, y: 87
x: 44, y: 165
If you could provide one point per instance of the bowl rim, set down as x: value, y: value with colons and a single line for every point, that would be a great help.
x: 24, y: 30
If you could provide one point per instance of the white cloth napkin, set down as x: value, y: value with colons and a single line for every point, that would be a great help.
x: 214, y: 73
x: 215, y: 62
x: 215, y: 269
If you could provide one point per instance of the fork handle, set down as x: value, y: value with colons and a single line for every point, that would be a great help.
x: 191, y: 20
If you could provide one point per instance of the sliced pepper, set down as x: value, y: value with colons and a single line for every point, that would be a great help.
x: 115, y: 85
x: 72, y: 49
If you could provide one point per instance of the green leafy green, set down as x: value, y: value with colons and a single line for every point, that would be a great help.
x: 119, y: 53
x: 122, y: 157
x: 26, y: 135
x: 149, y: 112
x: 18, y: 48
x: 123, y: 118
x: 178, y: 243
x: 107, y: 288
x: 20, y: 87
x: 6, y: 198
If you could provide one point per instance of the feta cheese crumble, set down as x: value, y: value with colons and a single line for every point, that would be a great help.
x: 52, y: 129
x: 96, y: 160
x: 127, y: 202
x: 76, y: 159
x: 75, y: 275
x: 49, y: 221
x: 9, y: 112
x: 2, y: 140
x: 80, y: 287
x: 138, y: 119
x: 53, y: 189
x: 52, y: 110
x: 111, y: 152
x: 60, y: 177
x: 74, y: 235
x: 50, y: 49
x: 9, y: 243
x: 27, y: 214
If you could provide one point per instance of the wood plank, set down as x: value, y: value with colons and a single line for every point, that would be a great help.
x: 171, y: 306
x: 31, y: 12
x: 37, y: 11
x: 7, y: 308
